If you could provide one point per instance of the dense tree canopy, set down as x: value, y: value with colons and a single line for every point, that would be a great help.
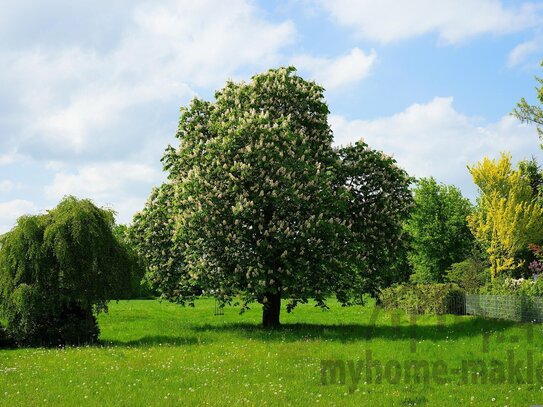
x: 57, y: 269
x: 379, y: 201
x: 509, y: 215
x: 258, y: 204
x: 439, y: 230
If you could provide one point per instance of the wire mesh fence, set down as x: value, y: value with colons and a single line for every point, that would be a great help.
x: 456, y: 304
x: 509, y: 307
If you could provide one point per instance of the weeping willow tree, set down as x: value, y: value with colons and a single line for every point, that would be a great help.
x: 59, y: 269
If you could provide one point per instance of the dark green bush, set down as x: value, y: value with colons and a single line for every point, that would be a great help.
x: 5, y: 340
x: 36, y: 318
x: 57, y: 270
x: 140, y: 286
x: 470, y: 274
x: 423, y: 298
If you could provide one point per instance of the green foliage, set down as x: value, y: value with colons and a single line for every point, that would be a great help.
x: 423, y: 298
x: 532, y: 171
x: 514, y: 286
x: 139, y: 286
x: 5, y: 340
x: 152, y: 235
x: 259, y: 204
x: 508, y: 216
x: 379, y: 201
x: 438, y: 228
x: 531, y: 113
x: 57, y: 269
x: 470, y: 274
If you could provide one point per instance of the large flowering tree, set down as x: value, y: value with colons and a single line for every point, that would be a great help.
x: 258, y: 204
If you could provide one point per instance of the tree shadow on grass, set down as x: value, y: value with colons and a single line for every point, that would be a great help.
x: 152, y: 340
x: 291, y: 332
x: 143, y: 342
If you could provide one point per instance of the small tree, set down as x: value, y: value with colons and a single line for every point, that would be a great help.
x: 532, y: 172
x: 57, y: 270
x: 508, y: 216
x: 439, y: 231
x: 257, y: 204
x: 531, y: 113
x: 470, y: 274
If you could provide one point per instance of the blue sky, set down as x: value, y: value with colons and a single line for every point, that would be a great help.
x: 91, y: 90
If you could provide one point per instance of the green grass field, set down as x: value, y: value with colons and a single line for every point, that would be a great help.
x: 161, y: 354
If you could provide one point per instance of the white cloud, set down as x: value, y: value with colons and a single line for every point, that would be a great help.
x: 453, y: 20
x: 434, y: 139
x: 122, y: 186
x: 6, y: 186
x: 522, y: 51
x: 11, y: 210
x: 102, y: 181
x: 9, y: 158
x: 95, y: 99
x: 206, y: 41
x: 6, y: 159
x: 94, y: 110
x: 334, y: 73
x: 126, y: 207
x: 80, y: 97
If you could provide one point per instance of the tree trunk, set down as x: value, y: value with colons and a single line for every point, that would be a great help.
x: 271, y: 310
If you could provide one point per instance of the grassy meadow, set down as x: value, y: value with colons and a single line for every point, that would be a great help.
x: 154, y: 353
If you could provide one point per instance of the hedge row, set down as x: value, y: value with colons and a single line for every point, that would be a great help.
x: 423, y: 298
